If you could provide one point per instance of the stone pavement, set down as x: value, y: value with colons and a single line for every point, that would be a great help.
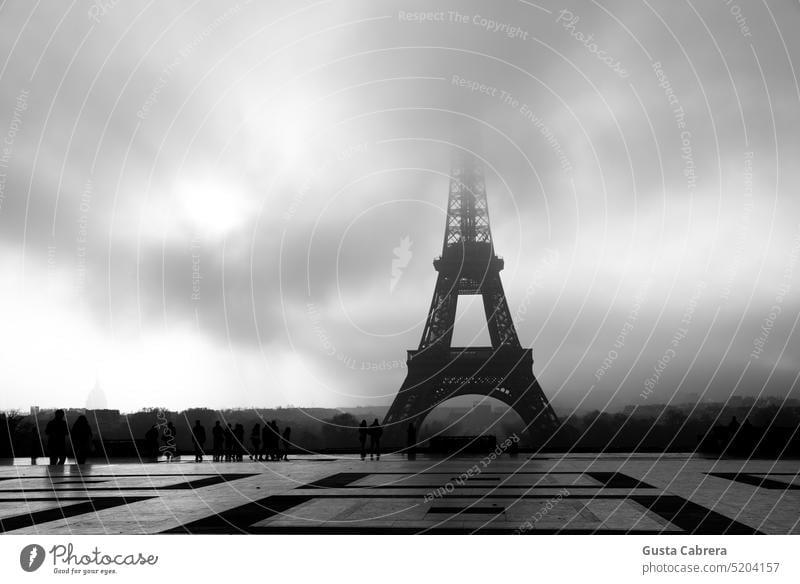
x: 606, y: 494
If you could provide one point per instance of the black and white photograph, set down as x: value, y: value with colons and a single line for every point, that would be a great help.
x: 334, y: 274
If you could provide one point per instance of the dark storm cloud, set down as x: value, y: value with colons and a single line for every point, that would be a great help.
x: 257, y: 180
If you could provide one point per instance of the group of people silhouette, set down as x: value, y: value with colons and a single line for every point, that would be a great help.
x: 267, y: 442
x: 228, y: 444
x: 59, y: 436
x: 374, y: 433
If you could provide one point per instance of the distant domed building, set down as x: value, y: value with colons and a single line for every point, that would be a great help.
x: 96, y: 400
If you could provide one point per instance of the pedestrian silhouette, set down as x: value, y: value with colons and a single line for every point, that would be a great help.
x: 228, y: 443
x: 218, y: 439
x: 285, y: 441
x: 411, y: 441
x: 56, y: 432
x: 81, y: 436
x: 151, y: 442
x: 238, y: 434
x: 275, y: 441
x: 36, y: 442
x: 199, y: 438
x: 267, y: 440
x: 266, y: 433
x: 375, y: 431
x: 255, y: 440
x: 362, y: 438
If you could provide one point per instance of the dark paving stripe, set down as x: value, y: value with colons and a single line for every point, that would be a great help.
x: 45, y: 499
x: 337, y: 481
x: 239, y: 519
x: 78, y: 482
x: 749, y: 479
x: 63, y: 512
x: 195, y: 484
x: 508, y: 497
x: 311, y: 530
x: 207, y: 482
x: 467, y: 510
x: 76, y: 489
x: 617, y: 480
x: 487, y: 473
x: 492, y: 487
x: 691, y: 517
x: 476, y: 479
x: 123, y: 476
x: 66, y: 483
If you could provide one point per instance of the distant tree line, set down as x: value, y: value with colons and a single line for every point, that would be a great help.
x: 757, y: 429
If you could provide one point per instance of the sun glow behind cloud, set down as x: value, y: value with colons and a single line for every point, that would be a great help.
x: 210, y: 206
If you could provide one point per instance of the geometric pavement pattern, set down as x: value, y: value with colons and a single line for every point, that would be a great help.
x: 575, y: 494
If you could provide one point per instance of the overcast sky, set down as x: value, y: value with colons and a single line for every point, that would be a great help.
x: 201, y: 203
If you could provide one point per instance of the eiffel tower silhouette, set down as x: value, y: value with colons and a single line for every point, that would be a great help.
x: 438, y: 371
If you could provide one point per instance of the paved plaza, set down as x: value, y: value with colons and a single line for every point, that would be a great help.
x: 576, y: 494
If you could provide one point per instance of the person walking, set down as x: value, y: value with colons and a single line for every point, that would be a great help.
x: 238, y: 434
x: 218, y: 439
x: 199, y: 439
x: 362, y: 438
x: 375, y: 432
x: 286, y: 440
x: 56, y: 432
x: 228, y: 443
x: 255, y: 440
x: 151, y: 443
x: 81, y: 437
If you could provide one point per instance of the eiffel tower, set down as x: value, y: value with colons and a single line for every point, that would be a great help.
x: 438, y: 371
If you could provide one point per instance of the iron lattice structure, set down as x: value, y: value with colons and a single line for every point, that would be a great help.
x: 437, y: 371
